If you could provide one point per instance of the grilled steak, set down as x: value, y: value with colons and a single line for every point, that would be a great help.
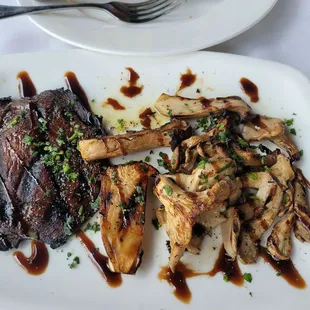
x: 46, y: 190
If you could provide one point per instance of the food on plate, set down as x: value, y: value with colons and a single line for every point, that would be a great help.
x: 47, y: 190
x: 181, y: 107
x: 122, y: 210
x: 112, y: 146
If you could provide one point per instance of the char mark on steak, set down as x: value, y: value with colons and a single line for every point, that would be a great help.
x: 47, y: 191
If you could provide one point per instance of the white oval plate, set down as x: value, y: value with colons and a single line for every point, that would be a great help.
x: 196, y: 25
x: 283, y: 91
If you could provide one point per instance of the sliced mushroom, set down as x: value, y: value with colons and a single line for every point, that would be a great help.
x: 199, y: 233
x: 213, y: 218
x: 161, y: 215
x: 266, y: 128
x: 282, y: 171
x: 230, y: 232
x: 182, y: 209
x: 193, y: 108
x: 113, y: 146
x: 279, y: 243
x: 301, y: 209
x: 252, y: 159
x: 123, y: 197
x: 271, y: 194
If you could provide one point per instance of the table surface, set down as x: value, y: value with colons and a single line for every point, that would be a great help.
x: 282, y: 36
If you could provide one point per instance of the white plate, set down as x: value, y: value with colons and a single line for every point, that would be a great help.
x: 196, y: 25
x: 283, y: 91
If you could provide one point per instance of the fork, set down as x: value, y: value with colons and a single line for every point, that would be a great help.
x: 131, y: 13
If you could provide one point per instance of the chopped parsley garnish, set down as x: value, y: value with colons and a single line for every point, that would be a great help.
x: 92, y: 179
x: 301, y: 153
x: 202, y: 163
x: 225, y: 277
x: 76, y: 134
x: 60, y: 137
x: 278, y: 274
x: 237, y: 158
x: 95, y: 227
x: 113, y: 177
x: 139, y: 197
x: 252, y: 175
x: 69, y: 254
x: 251, y: 294
x: 81, y: 211
x: 217, y: 177
x: 73, y: 176
x: 69, y: 114
x: 247, y: 277
x: 28, y: 140
x: 147, y: 159
x: 164, y: 161
x: 206, y: 123
x: 121, y: 125
x: 293, y: 131
x: 286, y: 198
x: 124, y: 207
x: 95, y: 204
x: 223, y: 137
x: 169, y: 112
x: 242, y: 143
x: 163, y: 155
x: 220, y: 126
x: 93, y: 100
x: 204, y: 179
x: 253, y: 197
x: 43, y: 124
x: 75, y: 262
x: 289, y: 122
x: 156, y: 224
x: 48, y: 193
x: 168, y: 190
x: 15, y: 120
x: 262, y: 160
x: 294, y: 114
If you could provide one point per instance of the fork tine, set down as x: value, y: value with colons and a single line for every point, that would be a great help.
x: 157, y: 5
x: 145, y: 17
x: 141, y: 4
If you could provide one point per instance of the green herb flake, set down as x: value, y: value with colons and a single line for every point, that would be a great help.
x: 95, y: 204
x: 242, y: 143
x: 168, y: 190
x: 76, y: 134
x: 92, y: 179
x: 43, y: 124
x: 206, y: 123
x: 81, y: 211
x: 142, y: 218
x: 202, y: 163
x: 14, y: 121
x: 293, y: 131
x: 169, y: 112
x: 95, y: 227
x: 147, y: 159
x: 224, y: 168
x: 156, y: 224
x: 93, y: 100
x: 217, y: 177
x: 28, y: 140
x: 225, y: 277
x: 204, y: 179
x: 75, y: 262
x: 252, y: 175
x: 253, y: 197
x: 289, y: 122
x: 286, y: 198
x: 251, y: 294
x: 139, y: 197
x: 69, y: 254
x: 278, y: 274
x: 301, y: 153
x: 73, y: 176
x: 223, y: 137
x: 247, y: 277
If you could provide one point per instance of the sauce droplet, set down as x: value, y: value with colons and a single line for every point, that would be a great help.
x: 229, y: 267
x: 100, y: 261
x: 133, y: 90
x: 284, y: 269
x: 187, y: 79
x: 178, y: 280
x: 26, y: 87
x: 250, y: 89
x: 115, y: 104
x: 75, y: 86
x: 145, y: 119
x: 37, y: 263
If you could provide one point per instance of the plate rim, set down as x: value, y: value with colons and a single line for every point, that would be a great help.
x: 123, y: 52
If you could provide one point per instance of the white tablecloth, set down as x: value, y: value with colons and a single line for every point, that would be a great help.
x: 284, y: 36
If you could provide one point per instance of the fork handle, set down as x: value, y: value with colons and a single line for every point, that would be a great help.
x: 10, y: 11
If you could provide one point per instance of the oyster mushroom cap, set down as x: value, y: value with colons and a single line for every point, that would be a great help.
x: 279, y: 243
x: 230, y: 232
x: 193, y: 108
x: 282, y: 170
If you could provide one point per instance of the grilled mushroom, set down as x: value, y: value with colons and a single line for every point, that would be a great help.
x: 113, y: 146
x: 301, y: 209
x: 182, y: 209
x: 266, y: 128
x: 230, y: 232
x: 271, y: 194
x: 193, y: 108
x: 279, y: 243
x: 123, y: 198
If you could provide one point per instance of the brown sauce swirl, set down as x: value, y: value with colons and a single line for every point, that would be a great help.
x: 187, y: 79
x: 250, y: 89
x: 100, y: 261
x: 26, y: 87
x: 132, y: 90
x: 284, y: 269
x: 229, y: 267
x: 115, y: 104
x: 145, y: 118
x: 37, y: 263
x: 75, y: 86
